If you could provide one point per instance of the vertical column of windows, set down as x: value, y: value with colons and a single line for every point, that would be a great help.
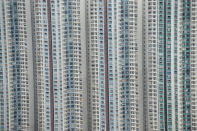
x: 93, y: 52
x: 193, y: 62
x: 186, y: 64
x: 151, y: 65
x: 73, y: 99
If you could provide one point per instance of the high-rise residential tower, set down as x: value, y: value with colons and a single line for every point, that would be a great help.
x: 16, y: 67
x: 169, y: 64
x: 98, y: 65
x: 60, y: 64
x: 162, y: 65
x: 150, y: 45
x: 114, y: 62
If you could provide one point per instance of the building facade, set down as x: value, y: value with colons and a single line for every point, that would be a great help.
x: 114, y: 61
x: 98, y: 65
x: 169, y: 65
x: 60, y: 64
x: 16, y: 81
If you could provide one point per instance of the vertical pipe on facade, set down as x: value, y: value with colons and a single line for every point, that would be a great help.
x: 106, y: 65
x: 165, y: 87
x: 50, y: 64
